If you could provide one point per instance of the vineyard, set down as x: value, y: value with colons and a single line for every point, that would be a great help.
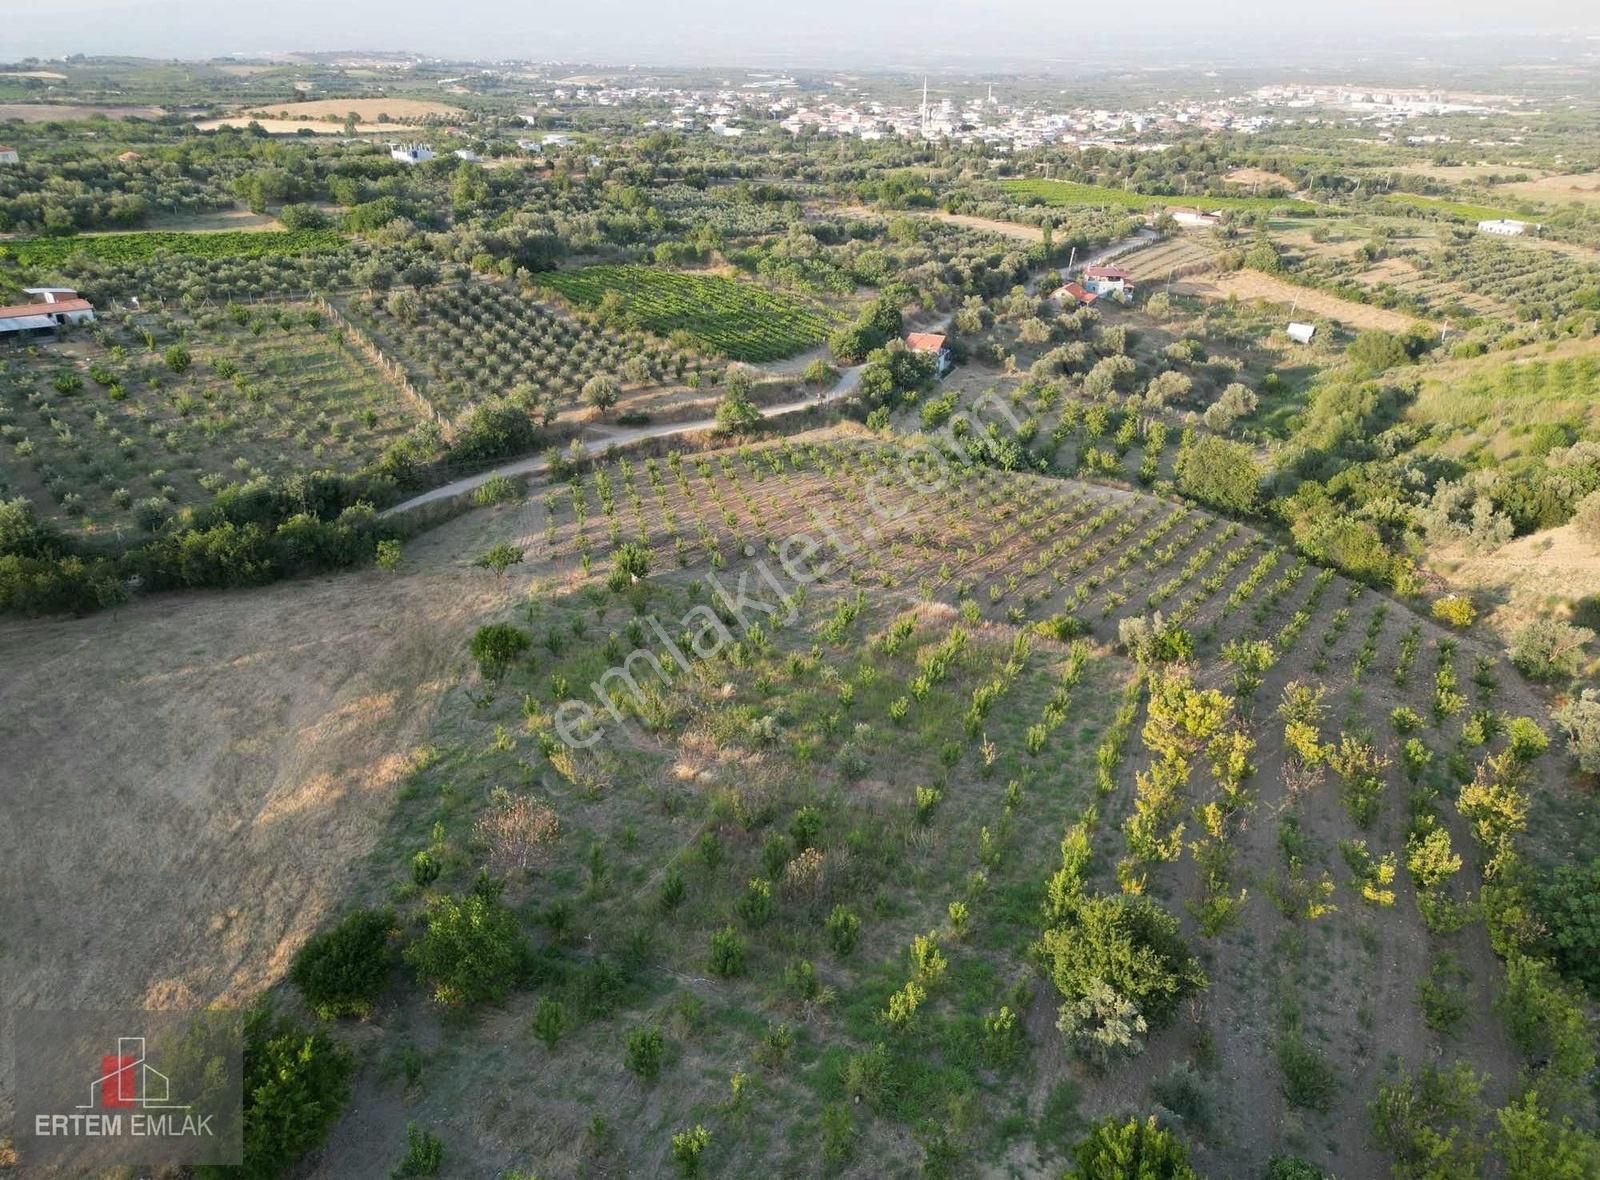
x: 465, y: 344
x: 1067, y: 193
x: 719, y: 315
x: 137, y: 247
x: 117, y: 432
x: 797, y: 883
x: 1456, y: 209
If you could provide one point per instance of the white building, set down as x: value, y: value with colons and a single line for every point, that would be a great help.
x: 1195, y: 219
x: 51, y: 307
x: 410, y: 153
x: 1301, y: 333
x: 8, y: 155
x: 1504, y: 227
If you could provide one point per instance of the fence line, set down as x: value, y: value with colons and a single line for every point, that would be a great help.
x: 393, y: 370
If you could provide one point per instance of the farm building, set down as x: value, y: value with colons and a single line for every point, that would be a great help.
x: 934, y: 344
x: 1195, y: 219
x: 1301, y: 333
x: 8, y: 155
x: 1504, y: 227
x: 410, y: 153
x: 1072, y: 293
x: 1108, y: 280
x: 51, y: 307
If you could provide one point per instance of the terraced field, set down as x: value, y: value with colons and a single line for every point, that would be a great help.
x: 1177, y: 256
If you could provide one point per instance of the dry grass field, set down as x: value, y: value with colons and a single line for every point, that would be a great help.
x: 1178, y: 255
x: 1249, y: 284
x: 28, y: 112
x: 1558, y: 189
x: 1259, y: 176
x: 366, y: 109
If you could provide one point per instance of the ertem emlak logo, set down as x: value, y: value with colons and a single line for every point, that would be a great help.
x: 100, y: 1089
x: 128, y: 1088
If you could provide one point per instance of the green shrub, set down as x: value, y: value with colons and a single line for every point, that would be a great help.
x: 295, y: 1086
x: 645, y: 1051
x: 844, y: 930
x: 1188, y: 1095
x: 687, y: 1148
x: 1426, y: 1121
x: 1130, y: 944
x: 471, y: 948
x: 1454, y: 609
x: 1569, y: 904
x: 1308, y: 1080
x: 424, y: 1153
x: 1130, y: 1150
x: 1545, y: 1020
x: 630, y: 563
x: 756, y: 907
x: 425, y: 868
x: 727, y: 953
x: 838, y: 1134
x: 497, y: 489
x: 496, y: 646
x: 549, y: 1021
x: 343, y: 971
x: 499, y: 558
x: 1545, y: 649
x: 1527, y: 738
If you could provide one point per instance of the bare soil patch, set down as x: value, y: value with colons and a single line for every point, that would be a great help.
x: 1528, y: 577
x: 1583, y: 187
x: 1259, y: 176
x: 196, y: 780
x: 293, y: 126
x: 1249, y: 284
x: 369, y: 109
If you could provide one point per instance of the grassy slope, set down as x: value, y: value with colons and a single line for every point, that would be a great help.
x: 647, y: 800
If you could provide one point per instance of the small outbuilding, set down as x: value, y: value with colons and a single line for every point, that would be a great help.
x: 1504, y: 227
x: 8, y: 155
x: 51, y: 307
x: 932, y: 343
x: 1301, y: 333
x: 410, y: 153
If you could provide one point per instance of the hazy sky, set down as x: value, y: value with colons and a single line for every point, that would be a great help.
x: 815, y: 32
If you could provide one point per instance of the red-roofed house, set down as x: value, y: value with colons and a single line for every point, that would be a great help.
x: 8, y: 155
x: 1109, y: 280
x: 52, y: 307
x: 1073, y: 293
x: 932, y: 343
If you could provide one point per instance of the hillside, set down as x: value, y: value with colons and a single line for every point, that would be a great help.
x: 910, y: 749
